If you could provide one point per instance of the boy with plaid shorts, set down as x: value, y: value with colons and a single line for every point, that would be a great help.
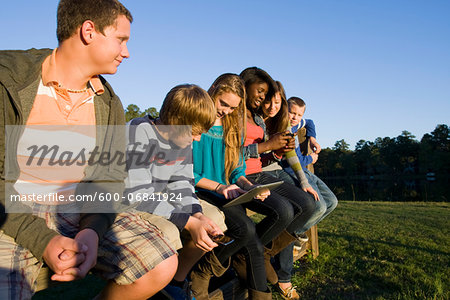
x: 59, y: 88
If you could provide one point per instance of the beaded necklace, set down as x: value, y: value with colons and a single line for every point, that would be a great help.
x: 78, y: 91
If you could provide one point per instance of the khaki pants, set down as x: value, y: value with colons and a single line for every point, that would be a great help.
x: 171, y: 232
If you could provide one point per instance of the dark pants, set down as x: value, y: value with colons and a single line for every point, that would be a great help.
x: 284, y: 260
x: 302, y: 202
x: 249, y: 239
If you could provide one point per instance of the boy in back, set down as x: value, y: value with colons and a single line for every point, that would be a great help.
x: 296, y: 111
x: 328, y: 200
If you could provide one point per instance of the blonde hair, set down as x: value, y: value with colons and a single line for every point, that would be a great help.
x: 188, y: 104
x: 296, y: 101
x: 234, y: 124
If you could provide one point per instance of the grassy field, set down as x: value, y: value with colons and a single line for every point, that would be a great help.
x: 368, y: 250
x: 380, y: 250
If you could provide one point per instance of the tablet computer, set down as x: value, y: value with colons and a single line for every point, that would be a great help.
x: 247, y: 197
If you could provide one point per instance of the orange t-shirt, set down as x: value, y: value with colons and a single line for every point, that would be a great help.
x: 255, y: 134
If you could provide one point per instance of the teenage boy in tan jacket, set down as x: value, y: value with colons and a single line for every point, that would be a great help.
x: 63, y: 87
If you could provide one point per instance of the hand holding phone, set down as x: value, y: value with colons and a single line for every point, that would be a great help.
x: 291, y: 142
x: 289, y: 134
x: 222, y: 239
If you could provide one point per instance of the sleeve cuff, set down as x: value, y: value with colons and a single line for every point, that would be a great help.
x: 196, y: 208
x: 251, y: 151
x: 100, y: 223
x: 38, y: 251
x: 179, y: 219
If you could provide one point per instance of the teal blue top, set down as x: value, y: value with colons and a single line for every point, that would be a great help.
x: 209, y: 158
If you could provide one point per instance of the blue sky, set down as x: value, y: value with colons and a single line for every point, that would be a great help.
x: 366, y: 69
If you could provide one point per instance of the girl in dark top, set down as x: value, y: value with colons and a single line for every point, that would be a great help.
x: 275, y: 113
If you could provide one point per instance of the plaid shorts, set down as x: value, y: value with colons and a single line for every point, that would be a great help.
x: 127, y: 251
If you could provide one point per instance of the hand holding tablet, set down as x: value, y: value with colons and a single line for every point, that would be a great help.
x: 248, y: 196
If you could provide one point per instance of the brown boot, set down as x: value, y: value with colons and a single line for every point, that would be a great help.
x: 281, y: 242
x: 257, y: 295
x: 271, y: 274
x: 278, y: 244
x: 240, y: 267
x: 207, y: 267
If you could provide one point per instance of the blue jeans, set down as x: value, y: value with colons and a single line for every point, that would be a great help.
x: 327, y: 203
x: 325, y: 206
x: 301, y: 202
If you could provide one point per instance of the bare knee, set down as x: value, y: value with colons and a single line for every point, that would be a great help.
x: 164, y: 272
x: 157, y: 278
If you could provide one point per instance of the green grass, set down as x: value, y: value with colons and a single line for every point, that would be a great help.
x: 380, y: 250
x: 368, y: 250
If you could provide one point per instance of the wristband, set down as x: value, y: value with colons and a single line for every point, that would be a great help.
x: 278, y: 158
x: 215, y: 190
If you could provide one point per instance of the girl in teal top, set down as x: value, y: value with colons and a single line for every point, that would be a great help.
x: 219, y: 171
x: 209, y: 158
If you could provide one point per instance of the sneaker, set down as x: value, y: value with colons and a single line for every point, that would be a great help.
x: 178, y: 293
x: 289, y: 293
x: 301, y: 239
x: 296, y: 252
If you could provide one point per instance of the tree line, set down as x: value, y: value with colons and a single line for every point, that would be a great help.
x: 399, y: 156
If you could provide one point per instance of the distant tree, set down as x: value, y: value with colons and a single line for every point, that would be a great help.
x: 327, y: 164
x: 434, y: 154
x: 365, y: 157
x: 407, y: 152
x: 439, y: 138
x: 360, y: 145
x: 341, y: 145
x: 388, y: 162
x: 133, y: 111
x: 322, y: 166
x: 406, y: 137
x: 344, y: 164
x: 152, y: 112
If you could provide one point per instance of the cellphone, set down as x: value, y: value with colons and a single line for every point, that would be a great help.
x: 290, y: 134
x: 222, y: 239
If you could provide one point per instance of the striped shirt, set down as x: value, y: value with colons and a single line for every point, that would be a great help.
x: 160, y: 174
x: 60, y: 127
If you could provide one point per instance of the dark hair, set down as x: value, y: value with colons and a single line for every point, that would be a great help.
x: 280, y: 122
x: 256, y: 75
x: 73, y: 13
